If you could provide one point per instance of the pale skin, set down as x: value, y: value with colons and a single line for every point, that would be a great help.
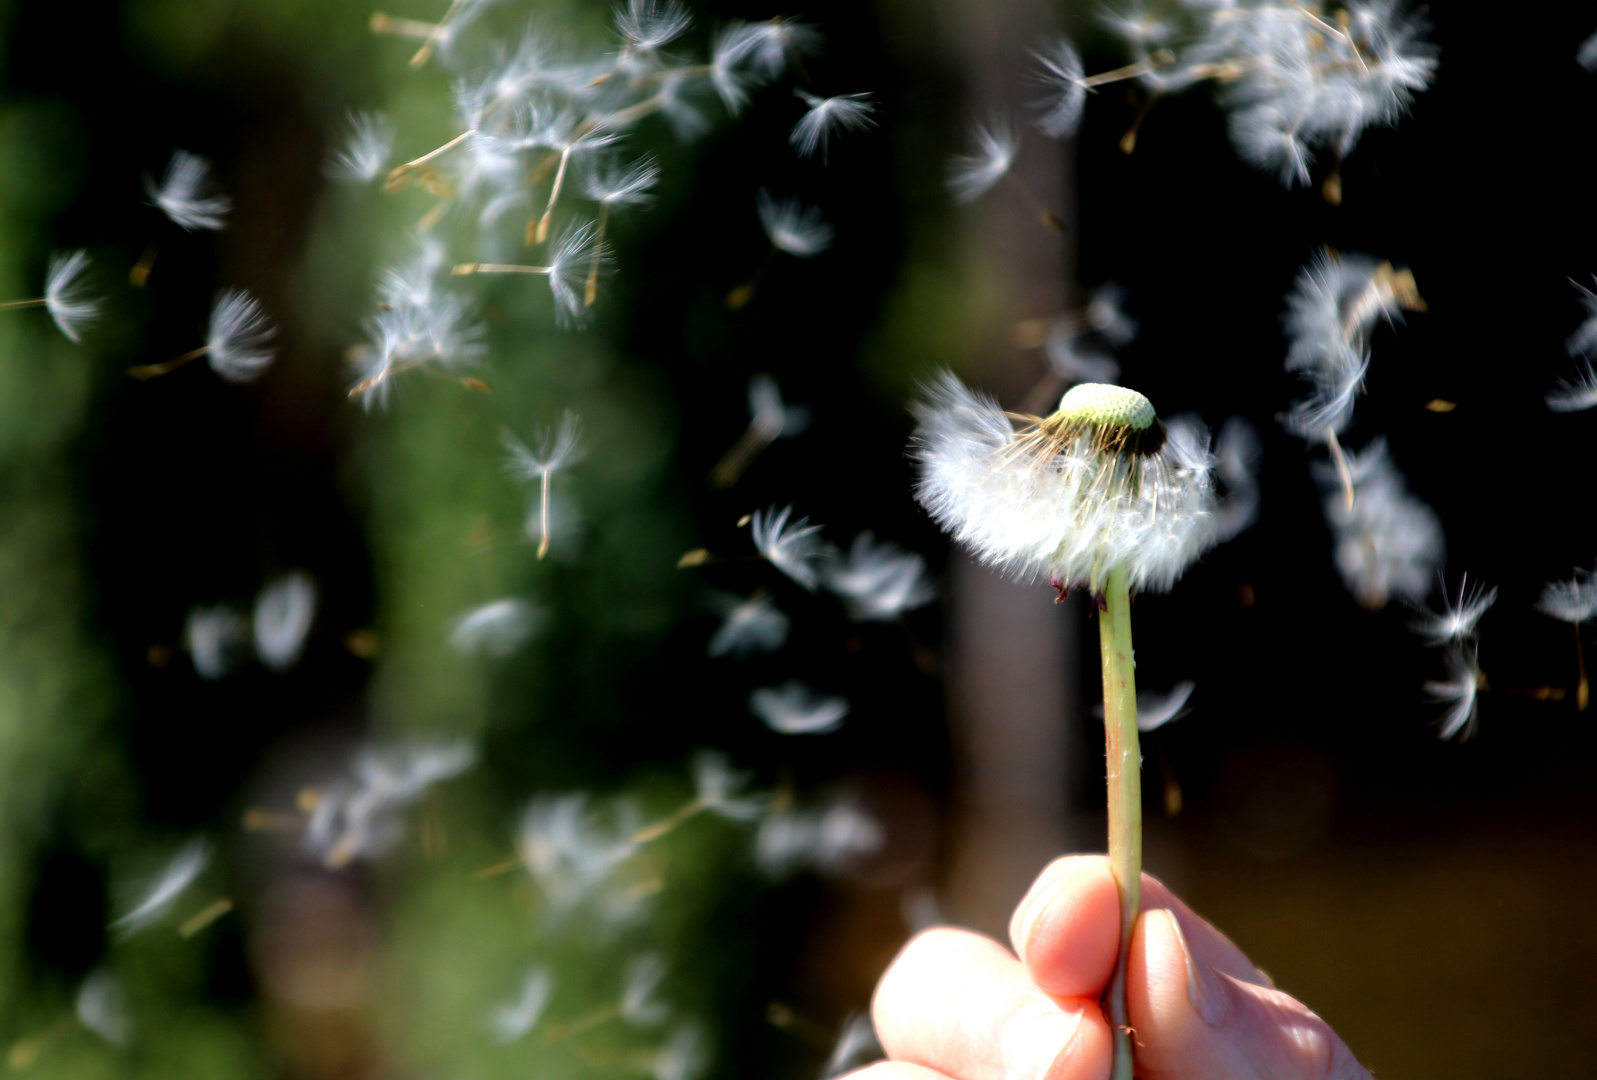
x: 956, y: 1005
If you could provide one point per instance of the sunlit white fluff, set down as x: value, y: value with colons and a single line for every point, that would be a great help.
x: 101, y: 1006
x: 68, y: 295
x: 609, y: 183
x: 826, y: 117
x: 1072, y: 512
x: 181, y: 871
x: 645, y: 25
x: 187, y: 194
x: 793, y: 227
x: 238, y: 339
x: 358, y: 816
x: 1575, y: 394
x: 367, y: 149
x: 417, y: 323
x: 748, y: 55
x: 639, y: 1006
x: 794, y: 708
x: 559, y: 448
x: 793, y: 547
x: 1459, y: 616
x: 1572, y: 601
x: 215, y: 637
x: 878, y: 581
x: 972, y: 175
x: 1459, y: 691
x: 1064, y: 79
x: 497, y: 628
x: 748, y: 625
x: 1586, y: 55
x: 284, y: 612
x: 513, y: 1019
x: 1388, y: 543
x: 828, y: 839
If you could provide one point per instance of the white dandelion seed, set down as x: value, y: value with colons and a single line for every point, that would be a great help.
x: 68, y: 295
x: 102, y: 1007
x: 1388, y: 543
x: 558, y: 449
x: 793, y: 547
x: 497, y: 628
x: 829, y: 840
x: 1065, y: 80
x: 716, y: 787
x: 1576, y: 394
x: 237, y: 341
x: 770, y: 418
x: 749, y: 55
x: 515, y: 1018
x: 366, y: 151
x: 1155, y: 710
x: 1586, y: 55
x: 359, y: 815
x: 1459, y: 616
x: 748, y: 625
x: 1237, y: 454
x: 646, y: 25
x: 856, y: 1044
x: 1106, y: 313
x: 796, y: 709
x: 878, y: 581
x: 972, y: 175
x: 1460, y: 690
x: 638, y: 1005
x: 1075, y: 361
x: 826, y: 117
x: 567, y: 854
x: 1100, y: 485
x: 284, y: 612
x: 1572, y: 601
x: 683, y: 1057
x: 793, y: 227
x: 215, y: 637
x: 187, y: 194
x: 610, y: 184
x: 181, y: 871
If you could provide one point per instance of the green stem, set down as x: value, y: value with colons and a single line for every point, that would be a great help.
x: 1125, y: 795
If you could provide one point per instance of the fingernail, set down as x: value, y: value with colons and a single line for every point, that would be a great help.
x: 1036, y: 1039
x: 1205, y: 990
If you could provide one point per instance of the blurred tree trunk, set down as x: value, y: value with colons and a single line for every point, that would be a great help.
x: 1013, y: 669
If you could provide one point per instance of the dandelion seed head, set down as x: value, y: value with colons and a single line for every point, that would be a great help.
x: 793, y: 227
x: 187, y: 194
x: 794, y: 708
x: 972, y: 175
x: 68, y: 294
x: 1099, y: 485
x: 793, y: 547
x: 748, y: 626
x: 827, y: 117
x: 238, y: 339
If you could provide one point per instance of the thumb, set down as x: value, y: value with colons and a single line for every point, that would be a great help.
x: 1194, y: 1021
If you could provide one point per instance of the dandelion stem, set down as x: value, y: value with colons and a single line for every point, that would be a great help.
x: 1131, y: 71
x: 542, y: 232
x: 150, y: 371
x: 1125, y: 795
x: 397, y: 173
x: 12, y: 305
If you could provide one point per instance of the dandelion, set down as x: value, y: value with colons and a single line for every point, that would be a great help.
x: 214, y: 636
x: 1100, y: 494
x: 829, y: 840
x: 497, y: 628
x: 359, y: 816
x: 515, y: 1018
x: 572, y: 257
x: 68, y: 296
x: 1066, y: 83
x: 792, y: 227
x: 558, y: 449
x: 796, y: 709
x: 878, y: 581
x: 638, y: 1005
x: 749, y: 625
x: 367, y: 151
x: 180, y: 872
x: 770, y: 418
x: 793, y: 547
x: 1577, y: 394
x: 283, y: 615
x: 828, y: 116
x: 971, y: 176
x: 101, y: 1006
x: 1388, y: 543
x: 187, y: 194
x: 1458, y: 618
x: 236, y: 345
x: 1460, y: 690
x: 1575, y: 602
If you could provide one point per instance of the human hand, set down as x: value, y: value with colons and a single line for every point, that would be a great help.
x: 955, y: 1005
